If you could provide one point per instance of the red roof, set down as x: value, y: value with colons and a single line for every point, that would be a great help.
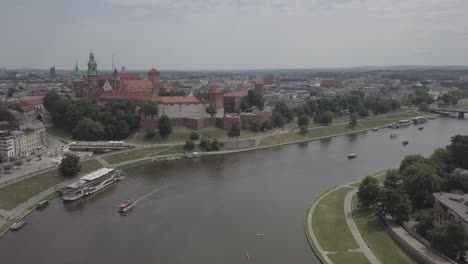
x: 130, y: 85
x: 241, y: 93
x: 259, y: 82
x: 216, y: 91
x: 142, y: 96
x: 122, y: 75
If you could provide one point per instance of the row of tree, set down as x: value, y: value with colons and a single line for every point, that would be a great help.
x: 410, y: 190
x: 90, y: 122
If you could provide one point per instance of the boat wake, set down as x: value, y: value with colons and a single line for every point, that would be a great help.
x: 149, y: 194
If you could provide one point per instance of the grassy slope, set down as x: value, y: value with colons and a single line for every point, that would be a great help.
x: 328, y: 221
x: 349, y: 258
x: 178, y: 149
x: 14, y: 194
x: 133, y: 154
x: 377, y: 238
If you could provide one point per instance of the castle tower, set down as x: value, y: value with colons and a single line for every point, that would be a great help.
x: 76, y: 75
x: 92, y: 71
x: 116, y: 80
x: 154, y: 77
x: 217, y: 98
x: 259, y: 88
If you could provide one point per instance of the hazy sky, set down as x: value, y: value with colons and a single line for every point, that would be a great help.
x: 233, y: 34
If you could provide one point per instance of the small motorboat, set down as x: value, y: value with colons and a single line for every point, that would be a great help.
x: 18, y: 225
x: 42, y: 204
x: 352, y: 156
x: 420, y: 128
x: 125, y: 206
x: 405, y: 142
x: 393, y: 135
x: 375, y: 129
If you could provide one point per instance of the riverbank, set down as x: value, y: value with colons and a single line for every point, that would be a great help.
x: 362, y: 237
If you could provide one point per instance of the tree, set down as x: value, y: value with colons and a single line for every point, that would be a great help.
x: 459, y: 149
x: 18, y: 163
x: 278, y: 119
x: 189, y: 145
x: 441, y: 104
x: 304, y: 130
x: 284, y: 110
x: 442, y: 158
x: 457, y: 180
x: 363, y: 112
x: 326, y: 118
x: 303, y: 120
x: 254, y: 126
x: 194, y: 135
x: 423, y: 107
x: 411, y: 159
x: 420, y: 181
x: 393, y: 203
x: 353, y: 121
x: 70, y: 165
x: 211, y: 110
x: 150, y: 108
x: 449, y: 238
x: 368, y: 192
x: 234, y: 131
x: 267, y: 125
x: 88, y: 130
x: 7, y: 168
x: 164, y: 126
x: 215, y: 145
x: 393, y: 180
x: 150, y: 133
x: 425, y: 220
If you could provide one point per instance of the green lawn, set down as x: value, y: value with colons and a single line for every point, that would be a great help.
x: 348, y: 257
x: 312, y: 134
x: 462, y: 103
x: 133, y: 154
x: 14, y: 194
x: 377, y: 238
x: 329, y: 223
x: 378, y: 121
x: 178, y: 149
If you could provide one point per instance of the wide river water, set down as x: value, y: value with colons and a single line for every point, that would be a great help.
x: 209, y: 210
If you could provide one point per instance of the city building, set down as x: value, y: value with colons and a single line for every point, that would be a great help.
x: 259, y: 88
x: 450, y: 206
x: 331, y: 84
x: 270, y: 79
x: 234, y: 100
x: 52, y: 72
x: 25, y: 140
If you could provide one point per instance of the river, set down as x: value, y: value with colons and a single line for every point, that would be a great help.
x: 209, y: 210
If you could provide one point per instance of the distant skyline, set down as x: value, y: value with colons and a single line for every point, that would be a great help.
x: 233, y: 34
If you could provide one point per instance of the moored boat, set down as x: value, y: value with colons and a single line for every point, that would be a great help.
x: 17, y: 226
x: 125, y: 206
x: 42, y: 204
x: 352, y: 156
x: 393, y: 135
x: 375, y: 129
x: 420, y: 128
x: 405, y: 142
x: 90, y: 184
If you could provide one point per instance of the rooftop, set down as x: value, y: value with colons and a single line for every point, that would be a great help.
x: 456, y: 202
x: 241, y: 93
x: 96, y: 174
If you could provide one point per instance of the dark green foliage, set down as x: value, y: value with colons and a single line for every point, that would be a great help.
x: 117, y: 117
x: 410, y: 159
x: 234, y: 131
x: 194, y: 136
x: 421, y: 181
x: 171, y: 93
x: 459, y: 149
x: 425, y: 220
x: 189, y: 145
x: 363, y: 112
x: 393, y: 180
x: 449, y: 238
x: 324, y: 119
x: 88, y: 130
x: 254, y: 126
x: 457, y: 180
x: 150, y: 133
x: 353, y: 121
x: 219, y: 123
x: 150, y: 108
x: 214, y: 145
x: 211, y: 110
x: 420, y: 95
x: 285, y: 111
x: 443, y: 160
x: 253, y: 99
x: 278, y: 119
x: 423, y: 107
x: 303, y: 120
x: 369, y: 190
x: 5, y: 115
x: 164, y: 126
x: 394, y: 203
x: 380, y: 105
x: 267, y: 125
x: 70, y: 165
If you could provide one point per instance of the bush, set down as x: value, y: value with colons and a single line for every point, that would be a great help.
x: 194, y: 136
x: 234, y: 131
x: 150, y: 133
x: 254, y: 126
x: 219, y: 123
x: 267, y: 125
x: 189, y: 145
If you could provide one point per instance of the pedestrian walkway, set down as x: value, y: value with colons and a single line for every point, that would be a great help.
x: 419, y: 247
x: 348, y: 210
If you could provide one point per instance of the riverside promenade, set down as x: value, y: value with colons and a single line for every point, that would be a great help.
x: 319, y: 243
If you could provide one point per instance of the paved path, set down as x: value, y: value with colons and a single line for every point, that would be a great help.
x: 348, y: 210
x: 416, y: 245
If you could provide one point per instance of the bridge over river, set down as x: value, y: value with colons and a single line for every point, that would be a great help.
x: 447, y: 111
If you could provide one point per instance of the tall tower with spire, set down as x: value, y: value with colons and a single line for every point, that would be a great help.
x: 76, y: 75
x: 92, y: 70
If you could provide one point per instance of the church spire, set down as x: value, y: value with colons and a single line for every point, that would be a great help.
x: 92, y: 65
